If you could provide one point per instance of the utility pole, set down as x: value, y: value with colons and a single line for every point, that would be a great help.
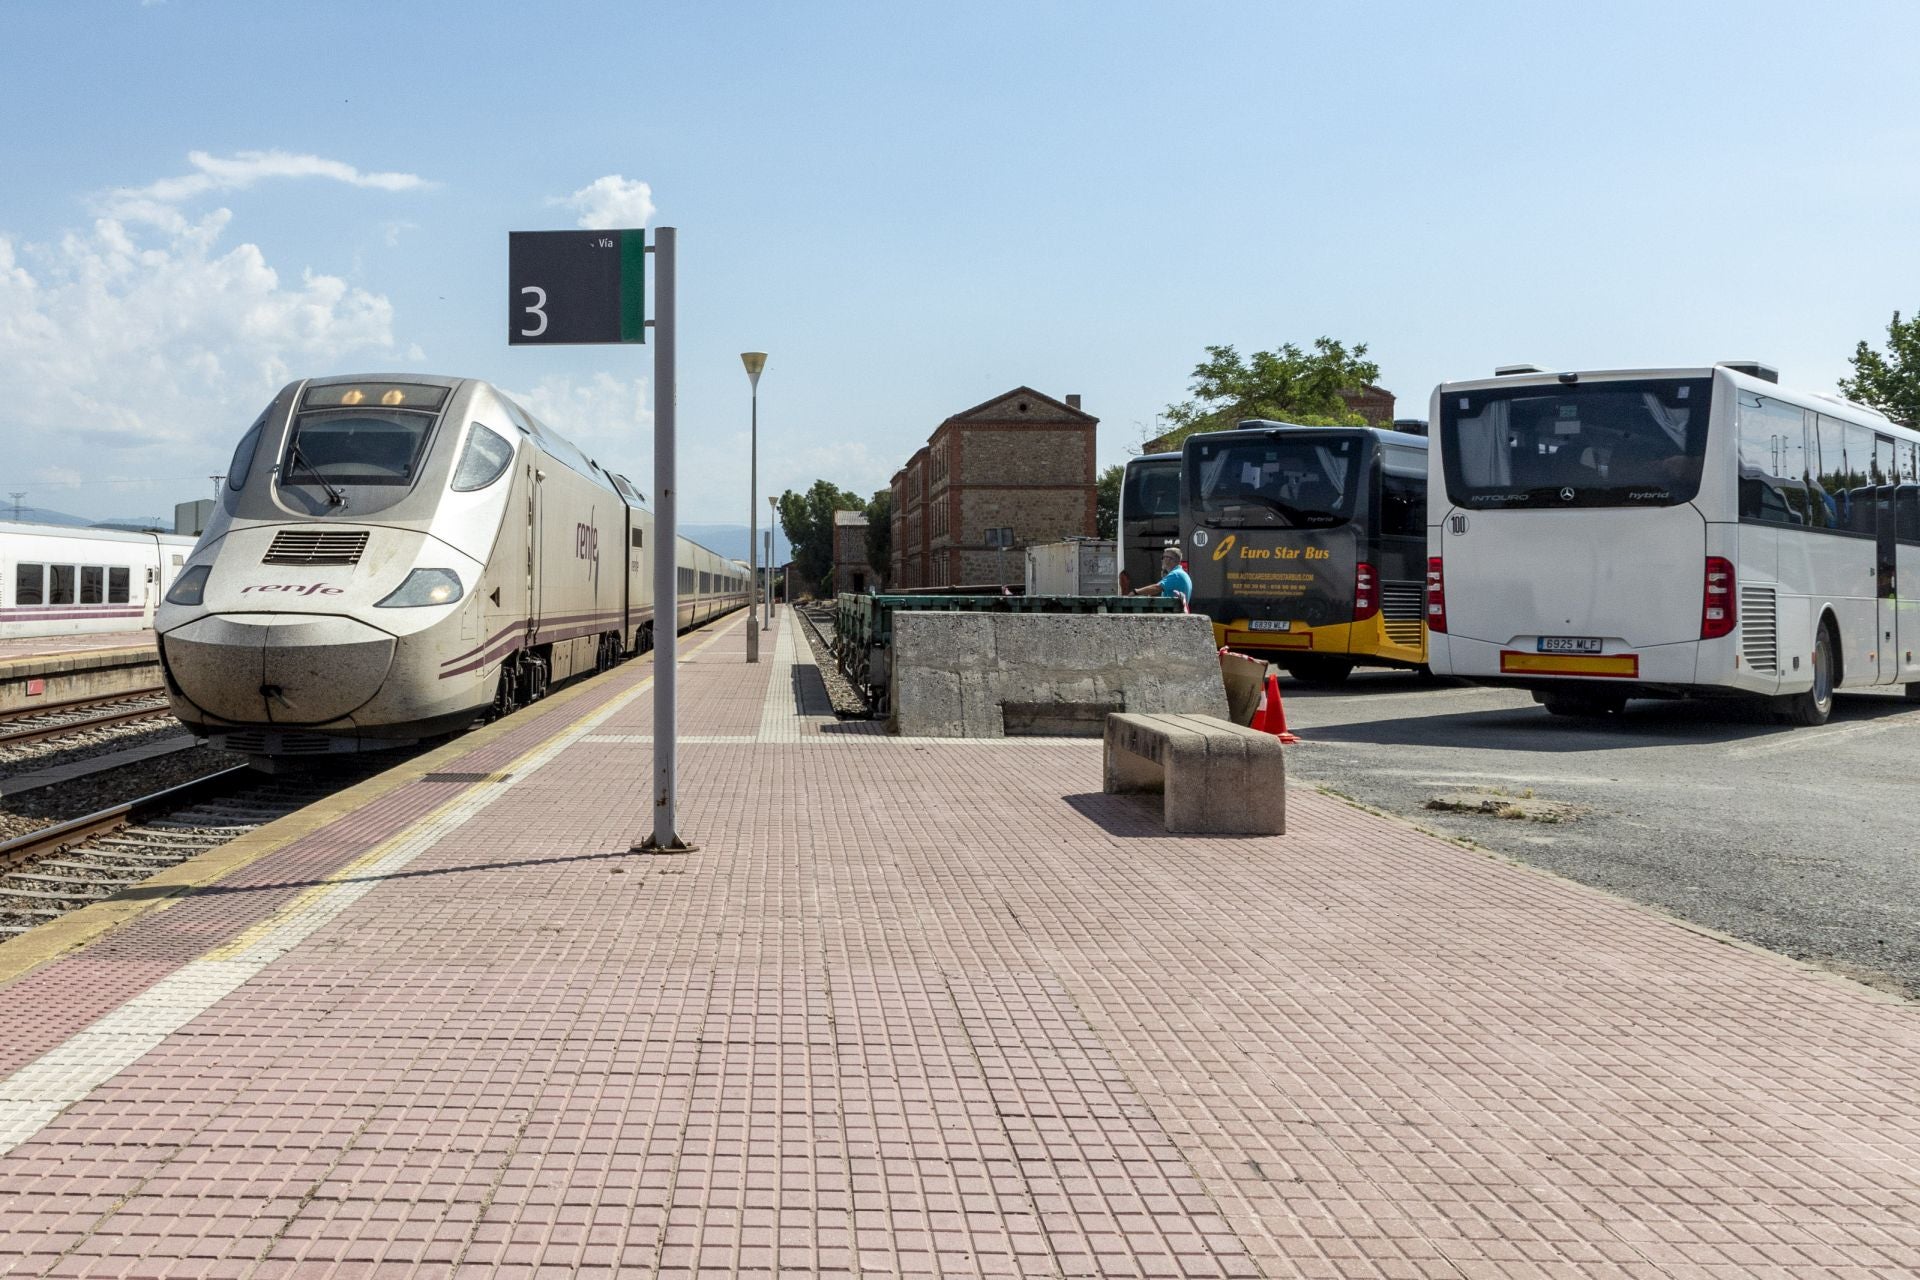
x: 216, y: 486
x: 17, y: 495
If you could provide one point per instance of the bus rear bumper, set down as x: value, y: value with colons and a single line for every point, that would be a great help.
x: 1668, y: 670
x: 1367, y: 642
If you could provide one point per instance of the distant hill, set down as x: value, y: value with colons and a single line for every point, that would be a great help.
x: 42, y: 515
x: 730, y: 540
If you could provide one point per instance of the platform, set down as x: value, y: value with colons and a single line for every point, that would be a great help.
x: 31, y: 647
x: 914, y: 1007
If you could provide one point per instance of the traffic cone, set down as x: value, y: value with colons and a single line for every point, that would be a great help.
x: 1272, y: 714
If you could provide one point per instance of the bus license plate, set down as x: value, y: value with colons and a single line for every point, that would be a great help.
x: 1265, y: 625
x: 1569, y: 644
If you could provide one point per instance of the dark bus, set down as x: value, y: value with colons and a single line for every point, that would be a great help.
x: 1149, y: 516
x: 1308, y: 545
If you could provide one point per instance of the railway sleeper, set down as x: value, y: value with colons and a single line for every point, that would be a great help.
x: 96, y: 868
x: 35, y: 895
x: 29, y: 879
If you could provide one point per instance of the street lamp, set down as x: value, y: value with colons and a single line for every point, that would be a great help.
x: 755, y: 361
x: 773, y: 513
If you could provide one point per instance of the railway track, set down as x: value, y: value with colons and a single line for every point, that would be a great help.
x: 47, y: 873
x: 64, y: 719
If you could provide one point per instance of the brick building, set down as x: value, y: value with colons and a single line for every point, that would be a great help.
x: 1018, y: 467
x: 850, y: 569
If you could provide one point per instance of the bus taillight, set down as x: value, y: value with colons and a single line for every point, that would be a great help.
x: 1366, y: 601
x: 1719, y: 611
x: 1436, y: 596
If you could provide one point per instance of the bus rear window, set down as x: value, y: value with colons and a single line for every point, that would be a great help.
x: 1152, y: 489
x: 1602, y: 444
x: 1276, y: 481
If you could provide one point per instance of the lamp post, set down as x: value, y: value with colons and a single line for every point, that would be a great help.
x: 755, y: 361
x: 773, y: 511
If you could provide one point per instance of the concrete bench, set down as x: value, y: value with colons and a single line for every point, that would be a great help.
x: 1217, y: 778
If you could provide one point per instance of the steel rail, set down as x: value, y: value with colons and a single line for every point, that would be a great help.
x: 77, y: 704
x: 23, y: 850
x: 20, y: 737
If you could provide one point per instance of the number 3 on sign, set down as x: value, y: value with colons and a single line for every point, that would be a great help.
x: 534, y: 308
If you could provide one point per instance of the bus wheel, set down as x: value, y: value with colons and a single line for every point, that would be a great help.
x: 1319, y: 671
x: 1586, y: 705
x: 1816, y: 704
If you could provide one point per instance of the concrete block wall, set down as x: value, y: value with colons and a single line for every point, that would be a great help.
x: 985, y: 675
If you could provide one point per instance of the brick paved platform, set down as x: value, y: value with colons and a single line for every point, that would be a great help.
x: 20, y: 647
x: 923, y: 1007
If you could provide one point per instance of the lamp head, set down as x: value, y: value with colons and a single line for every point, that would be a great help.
x: 755, y: 362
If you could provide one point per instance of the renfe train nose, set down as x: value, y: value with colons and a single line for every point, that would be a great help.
x: 292, y: 669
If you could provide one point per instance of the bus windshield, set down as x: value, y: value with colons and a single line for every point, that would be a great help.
x: 1601, y: 444
x: 1279, y: 480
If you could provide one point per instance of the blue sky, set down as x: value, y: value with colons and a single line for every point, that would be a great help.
x: 913, y: 207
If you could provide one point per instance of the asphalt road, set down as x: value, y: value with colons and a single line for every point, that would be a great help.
x: 1804, y: 841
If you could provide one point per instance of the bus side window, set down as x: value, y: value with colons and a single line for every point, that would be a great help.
x: 1906, y: 505
x: 1403, y: 504
x: 1777, y: 470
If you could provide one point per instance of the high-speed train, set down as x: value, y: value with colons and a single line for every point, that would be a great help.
x: 396, y: 556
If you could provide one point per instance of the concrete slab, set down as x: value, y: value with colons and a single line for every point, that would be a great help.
x: 990, y: 675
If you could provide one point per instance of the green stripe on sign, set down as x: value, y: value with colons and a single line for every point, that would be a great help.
x: 633, y: 286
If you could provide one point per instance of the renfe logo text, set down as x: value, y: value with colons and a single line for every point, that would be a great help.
x: 297, y: 588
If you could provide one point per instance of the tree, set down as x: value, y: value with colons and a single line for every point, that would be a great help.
x: 1106, y: 507
x: 807, y: 520
x: 880, y: 535
x: 1890, y: 382
x: 1289, y: 385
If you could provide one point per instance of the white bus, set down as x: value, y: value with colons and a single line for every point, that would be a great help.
x: 1671, y: 533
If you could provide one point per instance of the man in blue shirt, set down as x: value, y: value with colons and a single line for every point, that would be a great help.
x: 1174, y: 580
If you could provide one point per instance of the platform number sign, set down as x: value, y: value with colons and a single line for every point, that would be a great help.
x: 566, y: 287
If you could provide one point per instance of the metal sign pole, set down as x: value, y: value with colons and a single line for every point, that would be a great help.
x: 666, y: 582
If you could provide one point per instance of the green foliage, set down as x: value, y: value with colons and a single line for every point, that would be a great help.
x: 1889, y: 382
x: 880, y: 535
x: 1106, y: 511
x: 1289, y: 385
x: 807, y: 520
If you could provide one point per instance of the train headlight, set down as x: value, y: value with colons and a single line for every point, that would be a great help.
x: 190, y: 588
x: 424, y: 587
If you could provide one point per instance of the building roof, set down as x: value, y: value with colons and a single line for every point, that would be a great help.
x: 983, y: 410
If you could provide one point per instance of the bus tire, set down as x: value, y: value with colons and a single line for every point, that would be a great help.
x: 1583, y: 704
x: 1326, y: 672
x: 1816, y: 704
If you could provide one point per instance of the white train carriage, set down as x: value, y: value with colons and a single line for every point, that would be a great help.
x: 395, y: 556
x: 57, y: 581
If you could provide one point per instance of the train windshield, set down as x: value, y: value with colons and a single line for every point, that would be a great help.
x: 1279, y: 481
x: 355, y: 447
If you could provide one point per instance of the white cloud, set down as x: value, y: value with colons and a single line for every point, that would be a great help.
x: 608, y: 417
x: 145, y: 349
x: 155, y: 203
x: 611, y: 203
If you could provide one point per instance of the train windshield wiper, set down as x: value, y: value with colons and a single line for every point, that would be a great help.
x: 334, y: 496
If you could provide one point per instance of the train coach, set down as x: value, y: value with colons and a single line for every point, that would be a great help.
x: 60, y: 581
x: 396, y: 556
